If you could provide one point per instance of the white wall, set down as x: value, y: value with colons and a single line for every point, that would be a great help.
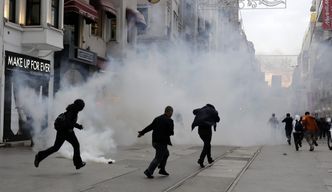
x: 1, y: 70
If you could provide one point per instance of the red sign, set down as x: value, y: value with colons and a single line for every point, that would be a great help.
x: 327, y: 14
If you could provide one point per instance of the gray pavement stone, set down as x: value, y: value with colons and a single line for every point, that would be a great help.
x: 18, y: 174
x: 282, y: 169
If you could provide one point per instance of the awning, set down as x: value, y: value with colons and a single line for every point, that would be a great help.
x: 81, y: 7
x: 135, y: 15
x: 107, y: 6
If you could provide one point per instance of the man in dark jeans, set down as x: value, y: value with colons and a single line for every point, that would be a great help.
x: 162, y: 128
x: 288, y: 127
x: 66, y: 133
x: 205, y: 118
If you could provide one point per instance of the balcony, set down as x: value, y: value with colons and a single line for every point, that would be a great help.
x: 34, y: 37
x: 42, y: 38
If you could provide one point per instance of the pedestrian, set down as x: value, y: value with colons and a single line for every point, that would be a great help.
x: 205, y: 118
x: 274, y: 124
x: 310, y: 130
x: 323, y: 128
x: 65, y: 132
x: 273, y: 121
x: 288, y: 127
x: 298, y: 132
x: 162, y: 128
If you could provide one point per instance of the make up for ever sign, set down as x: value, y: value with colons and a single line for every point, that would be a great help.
x: 26, y: 63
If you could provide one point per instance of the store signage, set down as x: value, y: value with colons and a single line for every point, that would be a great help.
x: 327, y: 14
x: 26, y: 63
x: 85, y: 55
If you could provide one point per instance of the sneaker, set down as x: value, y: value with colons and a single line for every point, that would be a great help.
x: 315, y: 143
x: 289, y: 142
x: 36, y: 162
x: 311, y: 148
x: 210, y: 161
x: 300, y: 144
x: 148, y: 175
x: 163, y: 172
x: 81, y: 165
x: 201, y: 163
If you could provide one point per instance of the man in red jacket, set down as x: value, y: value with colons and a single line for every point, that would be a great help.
x: 310, y: 129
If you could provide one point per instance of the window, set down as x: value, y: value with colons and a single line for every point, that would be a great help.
x: 169, y: 13
x: 96, y: 27
x: 33, y: 12
x: 113, y: 29
x: 10, y: 10
x: 144, y: 11
x: 175, y: 21
x: 55, y: 13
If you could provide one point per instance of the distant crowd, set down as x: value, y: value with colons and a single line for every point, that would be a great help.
x: 307, y: 126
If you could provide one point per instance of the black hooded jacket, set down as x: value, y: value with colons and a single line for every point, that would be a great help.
x: 71, y: 114
x: 205, y: 116
x: 162, y: 128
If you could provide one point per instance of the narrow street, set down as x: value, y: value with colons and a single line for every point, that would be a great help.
x: 236, y: 169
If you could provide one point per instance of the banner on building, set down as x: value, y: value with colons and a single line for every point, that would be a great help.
x: 327, y: 14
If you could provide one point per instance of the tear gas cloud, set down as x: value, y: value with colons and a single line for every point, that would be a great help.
x: 123, y: 101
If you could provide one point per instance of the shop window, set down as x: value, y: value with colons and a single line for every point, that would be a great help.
x: 144, y: 11
x: 55, y: 13
x: 33, y: 12
x: 111, y: 33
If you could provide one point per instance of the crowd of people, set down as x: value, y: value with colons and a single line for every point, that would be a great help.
x: 307, y: 126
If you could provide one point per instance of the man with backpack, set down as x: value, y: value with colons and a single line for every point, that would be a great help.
x: 298, y: 132
x: 205, y: 118
x: 64, y: 124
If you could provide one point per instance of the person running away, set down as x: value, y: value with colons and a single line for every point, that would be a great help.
x: 65, y: 132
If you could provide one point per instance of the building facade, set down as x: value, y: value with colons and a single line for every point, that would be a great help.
x: 314, y: 60
x: 163, y: 21
x: 97, y: 33
x: 31, y: 32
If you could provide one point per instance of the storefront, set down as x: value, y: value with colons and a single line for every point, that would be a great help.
x: 22, y: 72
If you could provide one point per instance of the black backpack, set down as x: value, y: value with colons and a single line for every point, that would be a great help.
x: 298, y: 126
x: 60, y: 122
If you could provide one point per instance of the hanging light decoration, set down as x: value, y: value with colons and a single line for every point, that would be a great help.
x: 153, y: 1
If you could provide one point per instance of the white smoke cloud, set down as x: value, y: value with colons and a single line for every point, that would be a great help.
x: 120, y: 103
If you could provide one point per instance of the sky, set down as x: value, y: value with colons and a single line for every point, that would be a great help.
x: 277, y: 31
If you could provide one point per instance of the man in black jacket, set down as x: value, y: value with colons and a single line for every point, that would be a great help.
x: 162, y: 128
x: 288, y: 127
x: 205, y: 118
x: 66, y: 133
